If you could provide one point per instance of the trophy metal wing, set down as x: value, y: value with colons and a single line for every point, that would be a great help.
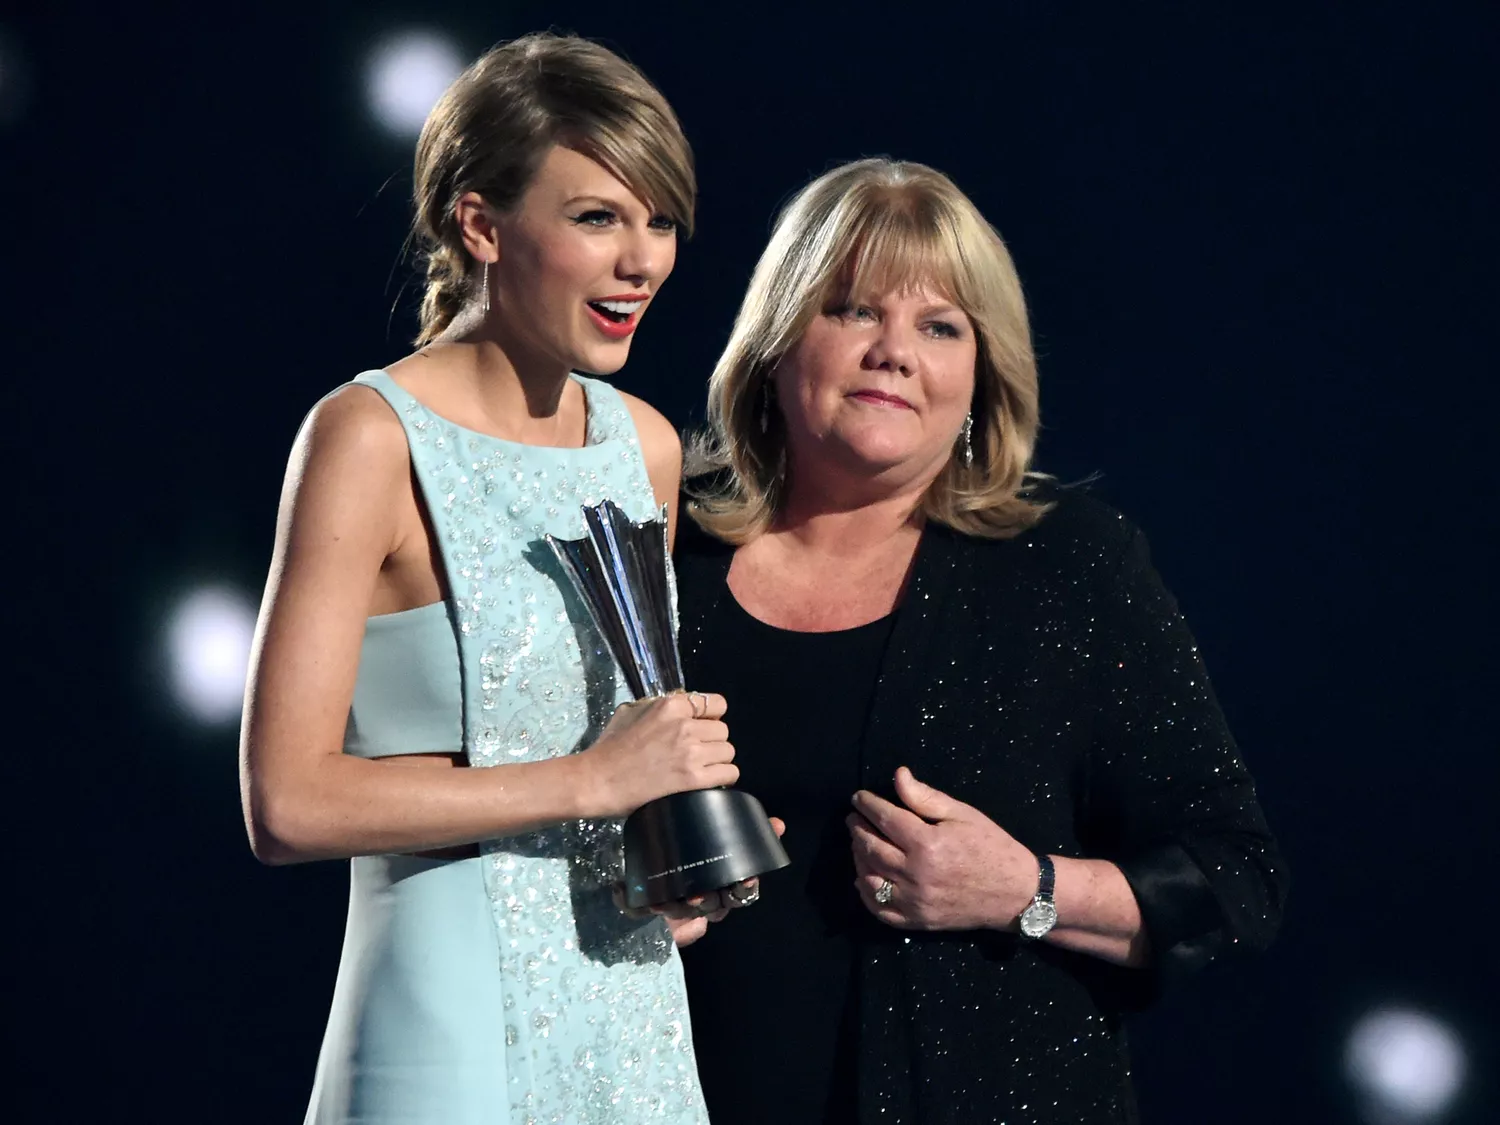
x: 683, y: 844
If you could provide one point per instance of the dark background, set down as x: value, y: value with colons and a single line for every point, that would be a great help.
x: 1260, y: 254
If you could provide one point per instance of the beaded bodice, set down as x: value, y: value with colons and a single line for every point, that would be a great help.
x: 596, y: 1019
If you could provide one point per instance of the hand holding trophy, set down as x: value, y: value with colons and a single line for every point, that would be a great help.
x: 684, y: 844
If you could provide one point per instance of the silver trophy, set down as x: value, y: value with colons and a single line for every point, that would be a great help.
x: 684, y: 844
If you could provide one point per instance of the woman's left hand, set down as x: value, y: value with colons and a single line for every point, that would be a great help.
x: 950, y: 866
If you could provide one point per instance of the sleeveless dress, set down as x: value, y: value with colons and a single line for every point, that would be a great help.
x: 505, y: 988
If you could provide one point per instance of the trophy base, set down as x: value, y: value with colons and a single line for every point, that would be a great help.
x: 691, y: 843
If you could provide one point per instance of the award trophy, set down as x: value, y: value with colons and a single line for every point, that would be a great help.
x: 684, y: 844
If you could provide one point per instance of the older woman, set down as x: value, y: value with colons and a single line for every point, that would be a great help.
x: 1049, y: 817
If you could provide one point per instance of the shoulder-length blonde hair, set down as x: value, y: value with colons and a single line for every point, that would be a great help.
x: 875, y: 225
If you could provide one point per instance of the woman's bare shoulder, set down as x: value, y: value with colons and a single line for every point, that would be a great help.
x: 660, y: 442
x: 354, y: 422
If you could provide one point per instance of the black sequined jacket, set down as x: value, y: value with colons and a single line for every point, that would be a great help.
x: 1050, y: 681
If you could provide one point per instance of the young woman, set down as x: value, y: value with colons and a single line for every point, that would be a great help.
x: 414, y: 624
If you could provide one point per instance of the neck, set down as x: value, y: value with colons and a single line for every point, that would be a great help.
x: 851, y: 519
x: 511, y: 381
x: 845, y: 509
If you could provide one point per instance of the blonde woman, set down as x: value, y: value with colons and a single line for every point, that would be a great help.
x: 1018, y: 804
x: 414, y: 625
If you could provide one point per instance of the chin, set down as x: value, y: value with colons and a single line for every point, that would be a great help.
x: 877, y: 454
x: 601, y: 361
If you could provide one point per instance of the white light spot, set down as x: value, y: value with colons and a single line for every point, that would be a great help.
x: 1406, y: 1065
x: 208, y: 652
x: 406, y: 74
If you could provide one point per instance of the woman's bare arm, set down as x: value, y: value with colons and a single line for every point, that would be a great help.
x: 303, y: 797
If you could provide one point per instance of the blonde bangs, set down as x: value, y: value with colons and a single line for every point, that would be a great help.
x: 901, y: 246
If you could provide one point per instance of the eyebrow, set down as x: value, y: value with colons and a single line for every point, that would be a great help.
x: 605, y: 201
x: 589, y: 197
x: 942, y: 308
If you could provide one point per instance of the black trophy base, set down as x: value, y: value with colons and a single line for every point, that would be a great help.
x: 692, y: 843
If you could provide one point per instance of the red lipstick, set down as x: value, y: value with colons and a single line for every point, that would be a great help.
x: 611, y: 319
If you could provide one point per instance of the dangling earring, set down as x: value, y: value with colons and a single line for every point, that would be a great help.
x: 968, y: 440
x: 484, y: 268
x: 765, y: 406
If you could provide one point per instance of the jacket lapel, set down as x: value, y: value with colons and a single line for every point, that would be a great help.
x: 894, y: 725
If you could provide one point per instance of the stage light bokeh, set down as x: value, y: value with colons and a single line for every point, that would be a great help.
x: 1406, y: 1066
x: 208, y: 651
x: 406, y: 74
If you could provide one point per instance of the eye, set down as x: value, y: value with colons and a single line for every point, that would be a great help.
x: 945, y: 329
x: 598, y: 217
x: 663, y: 223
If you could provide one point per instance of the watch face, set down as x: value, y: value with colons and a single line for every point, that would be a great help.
x: 1038, y: 919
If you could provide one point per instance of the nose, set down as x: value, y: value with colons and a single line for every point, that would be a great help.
x: 642, y: 256
x: 893, y: 349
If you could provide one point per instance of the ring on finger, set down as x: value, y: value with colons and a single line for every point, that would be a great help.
x: 885, y: 892
x: 700, y: 703
x: 744, y: 898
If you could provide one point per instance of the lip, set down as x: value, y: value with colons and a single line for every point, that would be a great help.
x: 618, y: 330
x: 881, y: 398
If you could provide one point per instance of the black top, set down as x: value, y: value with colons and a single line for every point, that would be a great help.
x: 797, y: 709
x: 1049, y: 681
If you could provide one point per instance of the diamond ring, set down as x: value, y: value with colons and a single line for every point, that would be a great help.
x: 886, y: 892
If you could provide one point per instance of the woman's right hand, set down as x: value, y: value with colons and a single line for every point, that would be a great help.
x: 654, y: 747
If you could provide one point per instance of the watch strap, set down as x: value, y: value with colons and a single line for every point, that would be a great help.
x: 1048, y: 880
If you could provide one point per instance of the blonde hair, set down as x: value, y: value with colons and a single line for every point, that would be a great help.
x: 875, y: 225
x: 490, y: 131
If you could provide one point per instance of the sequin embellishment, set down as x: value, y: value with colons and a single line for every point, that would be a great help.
x: 596, y: 1019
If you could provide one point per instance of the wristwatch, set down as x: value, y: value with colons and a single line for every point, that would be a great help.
x: 1038, y: 919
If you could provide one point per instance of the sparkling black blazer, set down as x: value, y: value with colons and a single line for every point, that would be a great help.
x: 1049, y: 681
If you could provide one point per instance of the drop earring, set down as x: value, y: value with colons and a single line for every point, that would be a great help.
x: 968, y: 440
x: 484, y: 268
x: 765, y: 406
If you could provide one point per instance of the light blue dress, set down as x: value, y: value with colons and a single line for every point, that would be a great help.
x: 505, y: 988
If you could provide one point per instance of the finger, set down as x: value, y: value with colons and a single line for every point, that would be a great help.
x: 716, y: 753
x: 901, y: 826
x: 744, y: 893
x: 687, y: 932
x: 778, y: 826
x: 924, y: 800
x: 887, y: 912
x: 707, y: 705
x: 720, y: 776
x: 862, y: 865
x: 694, y: 906
x: 878, y: 853
x: 709, y: 730
x: 869, y: 882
